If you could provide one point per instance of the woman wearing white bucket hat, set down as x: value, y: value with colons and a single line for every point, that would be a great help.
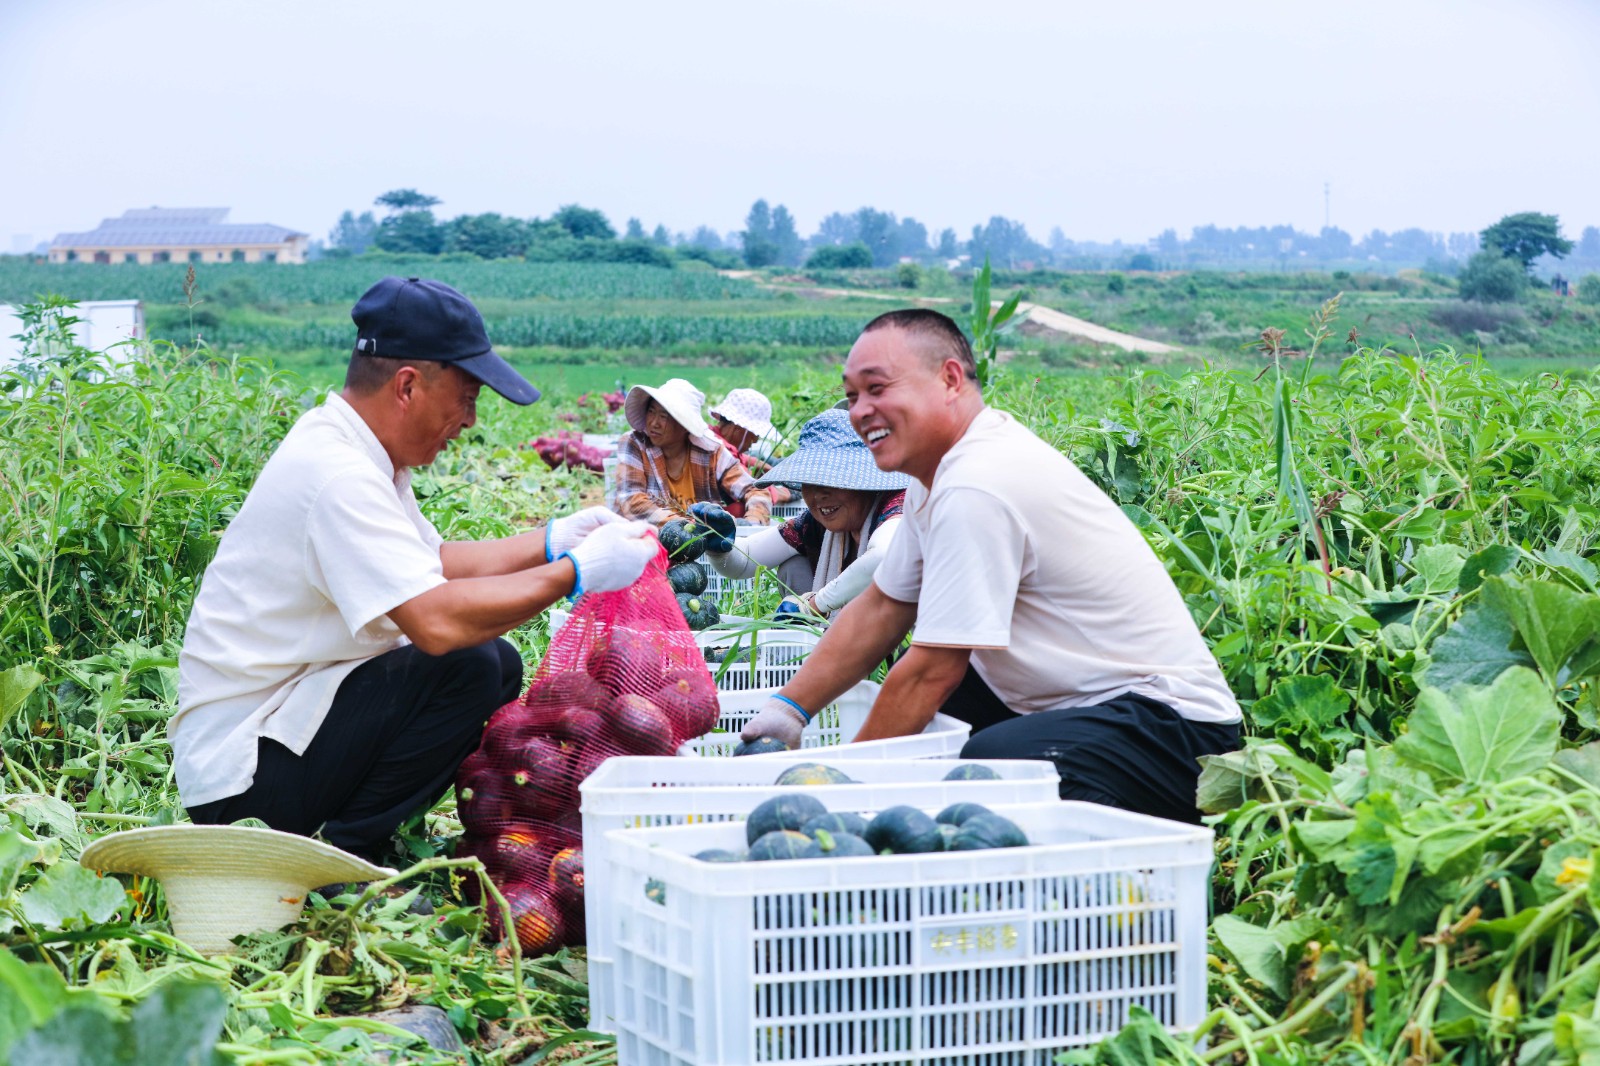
x: 672, y: 460
x: 744, y: 421
x: 852, y: 510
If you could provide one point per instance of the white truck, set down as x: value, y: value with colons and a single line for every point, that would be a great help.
x: 102, y: 324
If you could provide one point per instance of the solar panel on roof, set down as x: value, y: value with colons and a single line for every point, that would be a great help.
x: 157, y: 226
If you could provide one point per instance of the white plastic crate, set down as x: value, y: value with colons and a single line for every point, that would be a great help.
x: 832, y: 730
x: 782, y: 512
x: 633, y: 792
x: 750, y: 658
x: 827, y: 737
x: 999, y: 958
x: 718, y: 586
x: 767, y: 657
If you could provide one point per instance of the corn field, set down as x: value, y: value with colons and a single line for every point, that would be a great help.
x: 564, y: 330
x: 341, y: 281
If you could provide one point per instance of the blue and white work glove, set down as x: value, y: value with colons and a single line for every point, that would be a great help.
x: 561, y: 535
x: 803, y: 604
x: 612, y: 557
x: 721, y: 529
x: 780, y: 718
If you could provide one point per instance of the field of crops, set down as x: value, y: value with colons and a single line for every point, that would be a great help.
x: 341, y: 281
x: 618, y: 329
x: 1222, y: 312
x: 1393, y: 558
x: 574, y: 313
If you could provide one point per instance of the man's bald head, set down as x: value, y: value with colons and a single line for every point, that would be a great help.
x: 935, y: 337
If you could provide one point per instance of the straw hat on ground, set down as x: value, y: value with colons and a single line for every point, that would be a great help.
x: 747, y: 409
x: 679, y: 399
x: 831, y: 453
x: 225, y: 880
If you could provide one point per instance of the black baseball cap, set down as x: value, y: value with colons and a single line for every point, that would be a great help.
x: 415, y: 318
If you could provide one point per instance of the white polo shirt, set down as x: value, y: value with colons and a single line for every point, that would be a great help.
x: 1020, y: 557
x: 328, y: 541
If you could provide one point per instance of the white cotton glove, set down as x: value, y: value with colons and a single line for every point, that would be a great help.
x: 777, y: 719
x: 612, y: 557
x: 561, y: 535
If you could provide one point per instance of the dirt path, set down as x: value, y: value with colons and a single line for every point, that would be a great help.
x: 1060, y: 322
x: 1046, y: 318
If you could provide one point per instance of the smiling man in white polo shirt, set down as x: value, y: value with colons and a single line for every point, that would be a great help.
x: 1041, y: 615
x: 341, y: 658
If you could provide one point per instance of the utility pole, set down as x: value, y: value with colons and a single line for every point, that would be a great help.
x: 1327, y: 204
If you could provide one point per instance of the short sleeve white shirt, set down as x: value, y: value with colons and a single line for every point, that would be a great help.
x: 1017, y: 555
x: 328, y: 541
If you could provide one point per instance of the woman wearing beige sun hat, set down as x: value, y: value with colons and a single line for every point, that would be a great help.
x: 672, y: 460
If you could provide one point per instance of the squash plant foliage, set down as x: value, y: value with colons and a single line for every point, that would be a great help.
x: 1390, y: 554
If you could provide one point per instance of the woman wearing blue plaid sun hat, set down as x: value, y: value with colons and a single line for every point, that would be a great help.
x: 852, y: 510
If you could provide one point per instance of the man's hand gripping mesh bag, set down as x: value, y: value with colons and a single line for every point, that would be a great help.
x: 622, y: 677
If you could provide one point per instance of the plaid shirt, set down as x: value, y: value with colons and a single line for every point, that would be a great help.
x: 718, y: 478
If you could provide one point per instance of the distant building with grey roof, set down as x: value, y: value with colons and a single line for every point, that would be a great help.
x: 178, y: 235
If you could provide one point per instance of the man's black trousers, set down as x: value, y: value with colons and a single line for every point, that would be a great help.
x: 1131, y: 752
x: 399, y: 727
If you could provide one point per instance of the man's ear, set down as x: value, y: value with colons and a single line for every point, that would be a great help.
x: 952, y: 376
x: 404, y: 384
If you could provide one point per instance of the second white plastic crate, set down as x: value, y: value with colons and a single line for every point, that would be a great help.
x: 832, y: 730
x: 751, y: 658
x: 782, y: 512
x: 634, y: 792
x: 718, y: 586
x: 999, y: 958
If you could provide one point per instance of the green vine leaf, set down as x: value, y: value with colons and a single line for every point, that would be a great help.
x: 1481, y: 736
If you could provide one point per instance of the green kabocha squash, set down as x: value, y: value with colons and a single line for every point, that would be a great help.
x: 813, y: 773
x: 718, y: 855
x: 826, y: 845
x: 782, y: 812
x: 682, y: 541
x: 735, y: 654
x: 687, y: 577
x: 987, y: 831
x: 780, y: 845
x: 698, y: 611
x: 904, y: 831
x: 957, y: 813
x: 760, y: 746
x: 836, y: 822
x: 971, y: 772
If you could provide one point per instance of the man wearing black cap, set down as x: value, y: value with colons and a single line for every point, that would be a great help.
x: 341, y: 658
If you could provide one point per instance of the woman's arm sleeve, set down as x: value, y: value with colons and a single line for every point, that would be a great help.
x: 858, y: 575
x: 767, y: 548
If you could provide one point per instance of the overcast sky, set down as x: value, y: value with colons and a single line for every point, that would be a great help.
x: 1111, y: 120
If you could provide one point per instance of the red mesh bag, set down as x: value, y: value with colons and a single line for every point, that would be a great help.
x: 622, y: 677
